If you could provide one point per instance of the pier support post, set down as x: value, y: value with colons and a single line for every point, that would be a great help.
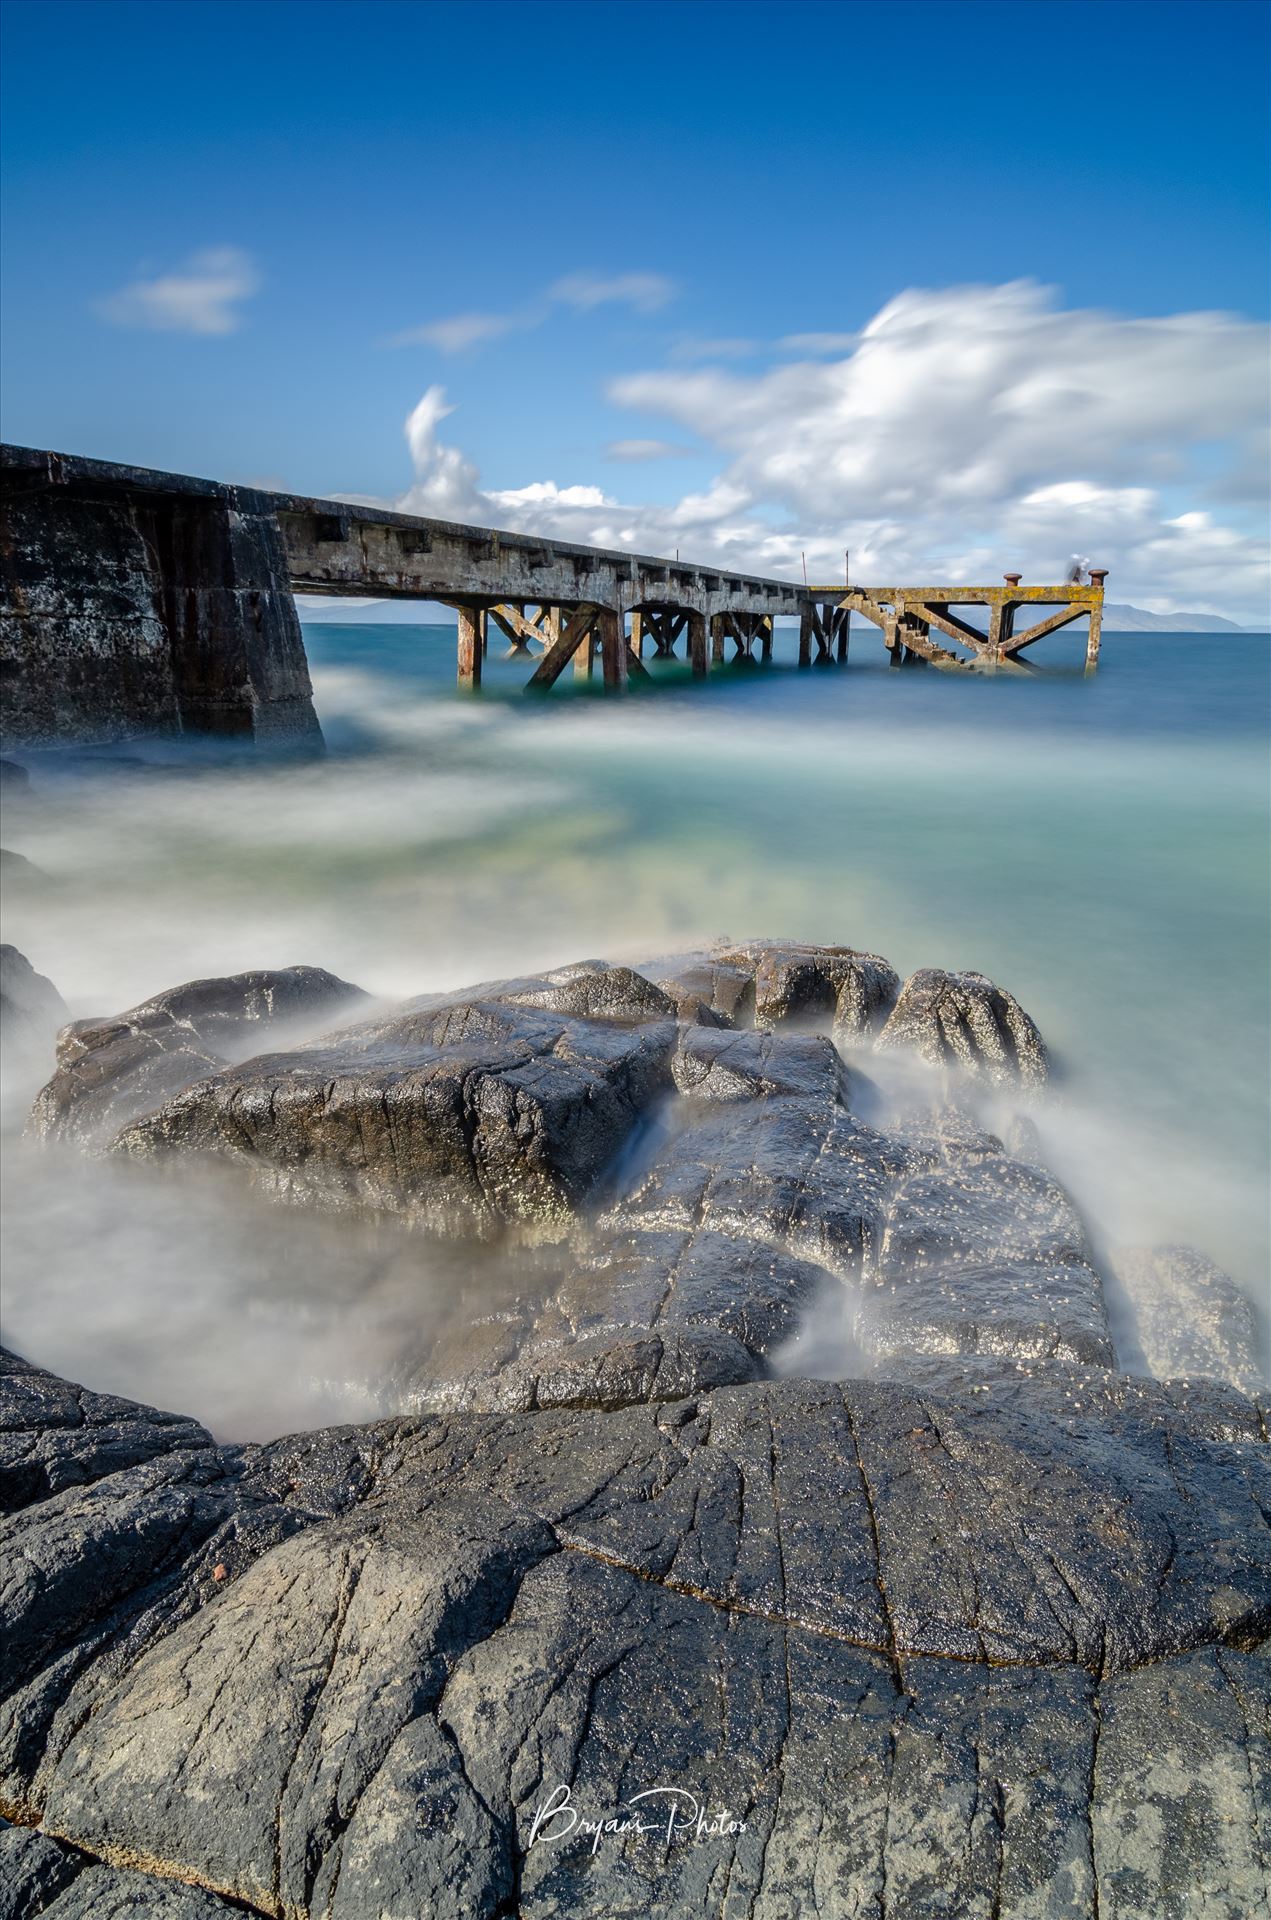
x: 768, y: 621
x: 719, y: 624
x: 697, y: 645
x: 845, y: 630
x: 585, y: 653
x: 472, y: 623
x: 613, y: 646
x: 637, y: 635
x: 805, y: 634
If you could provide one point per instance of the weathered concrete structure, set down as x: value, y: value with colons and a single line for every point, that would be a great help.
x: 906, y: 616
x: 139, y: 601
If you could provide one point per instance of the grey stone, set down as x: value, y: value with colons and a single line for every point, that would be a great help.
x: 964, y: 1020
x: 471, y: 1114
x: 110, y: 1071
x: 1190, y: 1317
x: 34, y: 1870
x: 31, y: 1008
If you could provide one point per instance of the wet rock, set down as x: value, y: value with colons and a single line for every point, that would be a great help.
x: 804, y: 985
x: 856, y: 1623
x: 110, y: 1071
x: 963, y: 1020
x: 1190, y: 1316
x: 54, y: 1435
x: 470, y: 1114
x: 31, y: 1008
x: 706, y: 989
x: 14, y: 778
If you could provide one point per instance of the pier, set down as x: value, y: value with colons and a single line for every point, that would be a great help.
x: 136, y: 600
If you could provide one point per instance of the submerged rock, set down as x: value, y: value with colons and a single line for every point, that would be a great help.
x: 1190, y: 1316
x: 31, y: 1008
x: 109, y: 1071
x: 964, y: 1020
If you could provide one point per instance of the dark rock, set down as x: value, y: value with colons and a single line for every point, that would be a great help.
x: 1190, y: 1317
x: 112, y: 1893
x: 472, y: 1113
x: 817, y: 986
x: 54, y: 1435
x: 963, y: 1020
x: 110, y: 1071
x: 908, y: 1639
x: 14, y: 778
x: 31, y: 1008
x: 705, y: 989
x: 33, y: 1871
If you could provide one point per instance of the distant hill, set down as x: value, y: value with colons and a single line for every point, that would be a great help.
x: 1120, y: 618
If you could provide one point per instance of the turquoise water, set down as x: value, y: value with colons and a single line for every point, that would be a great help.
x: 1098, y: 845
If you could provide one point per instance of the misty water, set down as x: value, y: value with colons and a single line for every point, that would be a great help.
x: 1098, y: 845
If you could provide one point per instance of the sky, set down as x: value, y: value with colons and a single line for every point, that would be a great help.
x: 954, y: 286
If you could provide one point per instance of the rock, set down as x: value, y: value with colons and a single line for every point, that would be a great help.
x: 963, y: 1020
x: 33, y: 1871
x: 855, y: 1622
x: 31, y: 1008
x: 54, y: 1435
x: 14, y: 778
x: 471, y: 1113
x: 803, y: 985
x: 1190, y: 1317
x: 110, y: 1071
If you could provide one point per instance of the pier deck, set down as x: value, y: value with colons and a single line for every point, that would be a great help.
x: 136, y: 599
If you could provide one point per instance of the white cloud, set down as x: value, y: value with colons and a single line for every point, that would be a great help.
x: 584, y: 292
x: 646, y: 292
x: 460, y: 332
x: 965, y: 432
x: 646, y: 450
x: 202, y: 296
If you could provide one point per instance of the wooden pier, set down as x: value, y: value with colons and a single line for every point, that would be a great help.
x: 906, y: 616
x: 137, y: 599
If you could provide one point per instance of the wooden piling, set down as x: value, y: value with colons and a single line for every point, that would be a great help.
x: 471, y: 644
x: 697, y: 645
x: 613, y: 646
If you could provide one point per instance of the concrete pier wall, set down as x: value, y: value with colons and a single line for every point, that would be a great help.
x: 139, y: 604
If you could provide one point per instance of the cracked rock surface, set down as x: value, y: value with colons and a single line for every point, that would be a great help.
x: 975, y: 1625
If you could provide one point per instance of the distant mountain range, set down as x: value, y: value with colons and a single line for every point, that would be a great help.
x: 1118, y: 616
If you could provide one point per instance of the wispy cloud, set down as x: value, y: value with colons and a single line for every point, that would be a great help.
x: 583, y: 292
x: 646, y: 450
x: 203, y: 295
x: 646, y: 292
x: 461, y: 331
x: 691, y: 348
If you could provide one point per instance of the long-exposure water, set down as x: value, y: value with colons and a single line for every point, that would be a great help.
x: 1098, y: 845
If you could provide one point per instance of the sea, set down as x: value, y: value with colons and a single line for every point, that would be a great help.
x: 1098, y: 844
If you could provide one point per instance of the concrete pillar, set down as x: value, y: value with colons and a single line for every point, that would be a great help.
x: 805, y: 634
x: 472, y: 623
x: 766, y: 631
x: 585, y: 654
x: 613, y: 647
x: 719, y: 622
x: 1094, y: 638
x: 697, y: 645
x: 637, y: 635
x: 845, y: 630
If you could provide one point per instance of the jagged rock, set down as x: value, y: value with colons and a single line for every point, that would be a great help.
x: 805, y: 985
x: 468, y: 1113
x: 705, y: 989
x: 110, y: 1071
x: 1190, y: 1316
x: 963, y: 1020
x: 53, y: 1435
x: 31, y: 1008
x: 38, y: 1875
x: 856, y: 1623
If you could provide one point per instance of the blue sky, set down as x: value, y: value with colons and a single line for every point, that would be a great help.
x: 221, y: 215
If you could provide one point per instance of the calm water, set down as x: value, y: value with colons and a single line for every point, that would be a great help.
x: 1100, y: 846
